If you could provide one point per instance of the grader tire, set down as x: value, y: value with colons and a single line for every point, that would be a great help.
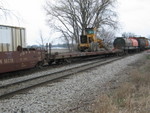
x: 94, y: 46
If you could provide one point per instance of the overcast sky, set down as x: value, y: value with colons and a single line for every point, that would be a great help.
x: 133, y: 16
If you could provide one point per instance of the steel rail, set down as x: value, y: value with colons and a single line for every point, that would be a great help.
x: 14, y: 86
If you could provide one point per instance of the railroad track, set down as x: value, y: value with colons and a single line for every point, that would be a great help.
x: 21, y: 73
x: 19, y: 84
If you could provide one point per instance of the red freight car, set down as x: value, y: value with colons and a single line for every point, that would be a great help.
x: 13, y: 55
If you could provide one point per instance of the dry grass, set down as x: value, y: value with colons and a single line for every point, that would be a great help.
x: 104, y: 105
x: 131, y: 97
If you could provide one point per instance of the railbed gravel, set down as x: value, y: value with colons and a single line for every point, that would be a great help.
x: 68, y: 93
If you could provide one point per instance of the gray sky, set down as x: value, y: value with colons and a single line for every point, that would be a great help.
x: 133, y: 16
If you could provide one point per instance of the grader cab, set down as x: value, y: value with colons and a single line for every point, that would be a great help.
x: 89, y: 41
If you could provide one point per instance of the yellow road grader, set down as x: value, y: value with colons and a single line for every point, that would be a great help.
x: 89, y: 41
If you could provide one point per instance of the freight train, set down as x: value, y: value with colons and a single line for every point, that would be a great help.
x: 131, y: 44
x: 15, y: 56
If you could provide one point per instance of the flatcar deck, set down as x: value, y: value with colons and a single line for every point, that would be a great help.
x: 82, y: 54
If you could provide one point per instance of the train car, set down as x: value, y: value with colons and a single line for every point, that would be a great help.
x: 13, y: 54
x: 141, y: 42
x: 61, y: 57
x: 148, y: 43
x: 126, y: 44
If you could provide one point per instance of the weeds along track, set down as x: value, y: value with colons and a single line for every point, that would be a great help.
x: 19, y: 84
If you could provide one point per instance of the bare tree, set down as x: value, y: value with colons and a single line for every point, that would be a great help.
x: 107, y: 35
x: 3, y: 11
x: 42, y: 41
x: 8, y: 14
x: 71, y: 17
x: 128, y: 34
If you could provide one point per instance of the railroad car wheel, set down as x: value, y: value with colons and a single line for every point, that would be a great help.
x: 59, y: 61
x: 68, y: 61
x: 120, y: 54
x: 50, y: 62
x: 39, y: 65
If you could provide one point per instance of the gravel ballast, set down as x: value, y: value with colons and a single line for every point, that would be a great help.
x: 69, y: 93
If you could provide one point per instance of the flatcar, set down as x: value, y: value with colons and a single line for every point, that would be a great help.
x: 13, y: 52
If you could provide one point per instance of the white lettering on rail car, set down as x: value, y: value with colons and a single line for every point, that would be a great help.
x: 8, y: 61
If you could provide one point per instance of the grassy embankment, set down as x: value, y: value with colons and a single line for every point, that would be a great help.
x: 132, y: 96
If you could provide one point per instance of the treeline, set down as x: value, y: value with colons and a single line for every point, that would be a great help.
x: 53, y: 46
